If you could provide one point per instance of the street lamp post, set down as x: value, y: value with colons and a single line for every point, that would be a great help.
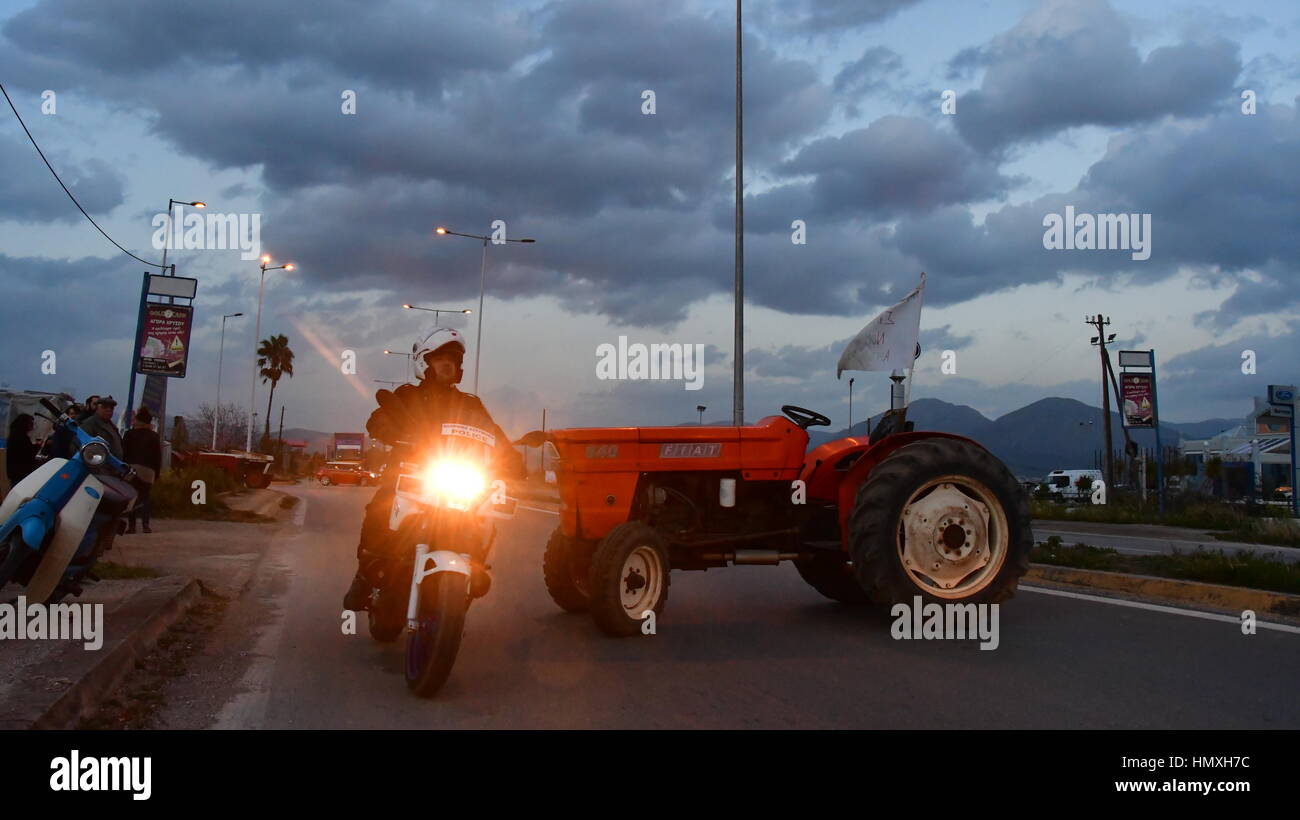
x: 216, y: 413
x: 252, y: 388
x: 482, y: 283
x: 167, y: 241
x: 699, y: 408
x: 436, y: 311
x: 409, y: 360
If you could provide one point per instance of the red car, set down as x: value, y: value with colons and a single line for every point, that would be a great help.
x: 345, y: 472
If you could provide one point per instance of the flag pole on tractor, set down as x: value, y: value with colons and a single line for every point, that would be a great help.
x: 890, y: 342
x: 738, y: 358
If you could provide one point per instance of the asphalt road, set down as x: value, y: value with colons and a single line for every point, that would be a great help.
x: 740, y: 647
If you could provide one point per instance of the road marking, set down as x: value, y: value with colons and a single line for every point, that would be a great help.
x: 300, y: 515
x: 538, y: 509
x: 1191, y: 613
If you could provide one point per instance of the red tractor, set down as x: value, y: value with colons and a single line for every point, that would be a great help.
x: 879, y: 519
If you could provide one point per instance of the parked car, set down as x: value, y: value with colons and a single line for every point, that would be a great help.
x: 345, y: 472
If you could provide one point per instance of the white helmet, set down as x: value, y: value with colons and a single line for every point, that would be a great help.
x: 437, y: 339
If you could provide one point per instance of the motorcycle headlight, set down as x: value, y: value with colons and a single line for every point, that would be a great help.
x: 95, y: 453
x: 458, y: 482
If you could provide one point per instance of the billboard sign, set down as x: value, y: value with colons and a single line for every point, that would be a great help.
x: 349, y: 445
x: 164, y: 343
x: 1137, y: 394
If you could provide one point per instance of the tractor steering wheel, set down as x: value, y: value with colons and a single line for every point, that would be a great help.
x: 805, y: 418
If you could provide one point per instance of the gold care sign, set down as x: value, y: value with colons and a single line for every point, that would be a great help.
x: 690, y: 450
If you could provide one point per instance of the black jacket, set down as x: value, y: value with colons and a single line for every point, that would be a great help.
x: 143, y: 446
x: 412, y: 416
x: 20, y: 458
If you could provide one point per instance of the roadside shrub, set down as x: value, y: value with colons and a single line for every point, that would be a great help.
x: 173, y: 492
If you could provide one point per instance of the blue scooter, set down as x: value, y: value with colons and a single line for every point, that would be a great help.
x: 61, y: 518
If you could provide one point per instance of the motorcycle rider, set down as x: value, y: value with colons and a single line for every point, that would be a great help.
x: 413, y: 413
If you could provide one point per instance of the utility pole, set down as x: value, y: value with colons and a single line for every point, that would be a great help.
x: 1101, y: 323
x: 543, y: 443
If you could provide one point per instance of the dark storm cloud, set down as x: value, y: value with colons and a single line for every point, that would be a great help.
x: 895, y: 165
x: 412, y: 46
x: 1074, y: 63
x: 28, y: 193
x: 1220, y: 192
x: 833, y: 16
x: 870, y: 72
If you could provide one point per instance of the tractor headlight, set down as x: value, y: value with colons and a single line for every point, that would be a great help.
x: 460, y: 483
x: 95, y: 453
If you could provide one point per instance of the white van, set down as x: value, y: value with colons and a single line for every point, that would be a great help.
x: 1065, y: 482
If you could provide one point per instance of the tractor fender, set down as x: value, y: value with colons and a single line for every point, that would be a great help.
x: 857, y: 474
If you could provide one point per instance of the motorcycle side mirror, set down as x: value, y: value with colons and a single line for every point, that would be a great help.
x: 534, y: 439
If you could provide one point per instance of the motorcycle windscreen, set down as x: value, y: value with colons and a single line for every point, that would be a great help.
x: 74, y: 519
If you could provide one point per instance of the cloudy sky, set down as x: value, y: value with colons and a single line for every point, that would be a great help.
x: 532, y: 113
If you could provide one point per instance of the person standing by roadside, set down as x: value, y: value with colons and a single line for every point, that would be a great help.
x: 143, y: 448
x: 20, y: 451
x: 101, y: 424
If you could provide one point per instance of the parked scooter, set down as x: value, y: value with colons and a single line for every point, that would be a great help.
x: 62, y: 517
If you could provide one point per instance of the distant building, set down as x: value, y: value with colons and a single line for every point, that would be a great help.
x: 1263, y: 440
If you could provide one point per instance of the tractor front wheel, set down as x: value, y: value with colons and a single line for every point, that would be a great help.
x: 628, y: 578
x: 943, y: 519
x: 566, y: 565
x: 833, y: 577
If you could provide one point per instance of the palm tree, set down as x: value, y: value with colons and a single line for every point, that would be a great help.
x: 275, y: 359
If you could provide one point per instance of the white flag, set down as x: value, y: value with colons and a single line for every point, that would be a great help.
x: 889, y: 342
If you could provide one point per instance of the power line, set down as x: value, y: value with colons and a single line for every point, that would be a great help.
x: 65, y: 187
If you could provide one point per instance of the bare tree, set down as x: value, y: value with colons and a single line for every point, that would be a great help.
x: 232, y: 427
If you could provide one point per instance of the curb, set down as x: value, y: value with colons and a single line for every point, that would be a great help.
x: 140, y: 622
x: 1214, y: 596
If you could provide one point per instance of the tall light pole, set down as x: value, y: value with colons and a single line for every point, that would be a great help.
x: 216, y: 414
x: 252, y: 388
x: 172, y: 203
x: 850, y: 406
x: 482, y: 283
x: 738, y: 374
x: 699, y: 408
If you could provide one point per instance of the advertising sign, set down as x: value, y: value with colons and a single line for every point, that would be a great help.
x: 1139, y: 400
x: 165, y: 339
x: 349, y: 445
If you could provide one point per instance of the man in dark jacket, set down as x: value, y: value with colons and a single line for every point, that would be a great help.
x: 410, y: 417
x: 101, y: 424
x: 143, y: 449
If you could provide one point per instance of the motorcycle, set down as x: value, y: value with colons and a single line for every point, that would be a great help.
x: 443, y: 531
x: 62, y: 517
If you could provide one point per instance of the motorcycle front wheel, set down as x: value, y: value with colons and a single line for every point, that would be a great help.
x: 432, y: 646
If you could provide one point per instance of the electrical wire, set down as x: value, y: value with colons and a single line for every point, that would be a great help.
x: 65, y: 187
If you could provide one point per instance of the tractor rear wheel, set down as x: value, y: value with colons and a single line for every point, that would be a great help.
x: 943, y: 519
x: 834, y: 578
x: 566, y: 565
x: 628, y: 578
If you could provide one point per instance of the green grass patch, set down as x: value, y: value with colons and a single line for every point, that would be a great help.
x: 172, y: 495
x: 1201, y: 515
x: 1243, y: 569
